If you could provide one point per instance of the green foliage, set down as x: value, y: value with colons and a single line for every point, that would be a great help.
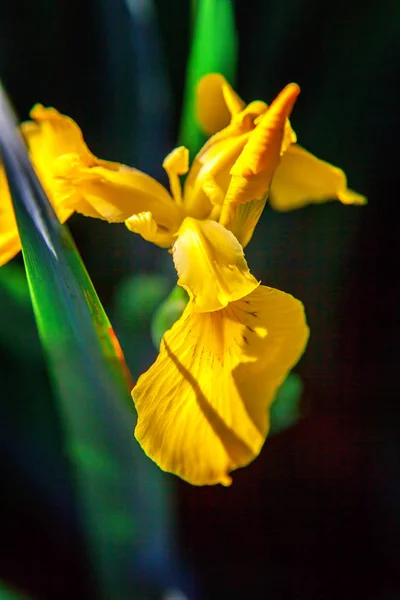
x: 18, y: 331
x: 167, y: 313
x: 214, y: 49
x: 137, y: 298
x: 86, y: 366
x: 285, y: 410
x: 7, y: 594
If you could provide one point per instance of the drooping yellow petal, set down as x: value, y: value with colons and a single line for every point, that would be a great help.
x: 44, y: 145
x: 77, y: 180
x: 49, y: 136
x: 303, y: 179
x: 203, y: 405
x: 144, y: 224
x: 10, y: 243
x: 52, y: 134
x: 113, y: 193
x: 211, y: 265
x: 216, y: 103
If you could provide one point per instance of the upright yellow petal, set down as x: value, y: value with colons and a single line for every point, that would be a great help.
x: 303, y: 179
x: 216, y: 103
x: 244, y: 218
x: 212, y: 164
x: 211, y: 265
x: 262, y: 152
x: 253, y: 171
x: 215, y: 160
x: 203, y: 405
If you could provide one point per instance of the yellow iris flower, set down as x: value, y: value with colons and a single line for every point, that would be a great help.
x: 203, y: 405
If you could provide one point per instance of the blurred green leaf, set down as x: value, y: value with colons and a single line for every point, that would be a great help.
x: 138, y: 297
x: 86, y: 366
x: 285, y: 409
x: 7, y: 593
x: 18, y: 331
x: 214, y: 49
x: 13, y: 282
x: 167, y: 313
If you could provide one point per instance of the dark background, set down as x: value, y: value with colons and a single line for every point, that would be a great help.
x: 316, y: 516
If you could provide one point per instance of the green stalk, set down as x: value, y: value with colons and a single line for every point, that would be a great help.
x: 214, y: 49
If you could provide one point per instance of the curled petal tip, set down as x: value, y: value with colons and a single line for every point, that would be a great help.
x: 263, y: 150
x: 284, y: 102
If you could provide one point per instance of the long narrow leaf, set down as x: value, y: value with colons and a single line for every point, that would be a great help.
x: 214, y: 49
x: 85, y: 365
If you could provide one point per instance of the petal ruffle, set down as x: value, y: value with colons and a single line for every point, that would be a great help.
x: 52, y: 134
x: 211, y: 265
x: 113, y: 192
x: 303, y: 179
x: 203, y: 405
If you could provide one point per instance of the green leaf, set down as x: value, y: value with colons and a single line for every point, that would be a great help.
x: 87, y: 370
x: 214, y: 49
x: 167, y: 313
x: 137, y: 298
x: 18, y: 331
x: 285, y: 410
x: 7, y: 593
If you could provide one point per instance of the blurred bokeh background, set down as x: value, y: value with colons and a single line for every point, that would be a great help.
x: 316, y: 516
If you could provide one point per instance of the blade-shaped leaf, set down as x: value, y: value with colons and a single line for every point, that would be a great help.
x: 86, y: 367
x: 214, y: 49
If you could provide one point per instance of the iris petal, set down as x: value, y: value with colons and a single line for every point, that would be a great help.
x: 216, y: 158
x: 45, y: 140
x: 78, y: 180
x: 216, y: 103
x: 303, y: 179
x: 211, y: 265
x: 10, y: 243
x: 203, y: 405
x: 253, y: 171
x: 113, y: 194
